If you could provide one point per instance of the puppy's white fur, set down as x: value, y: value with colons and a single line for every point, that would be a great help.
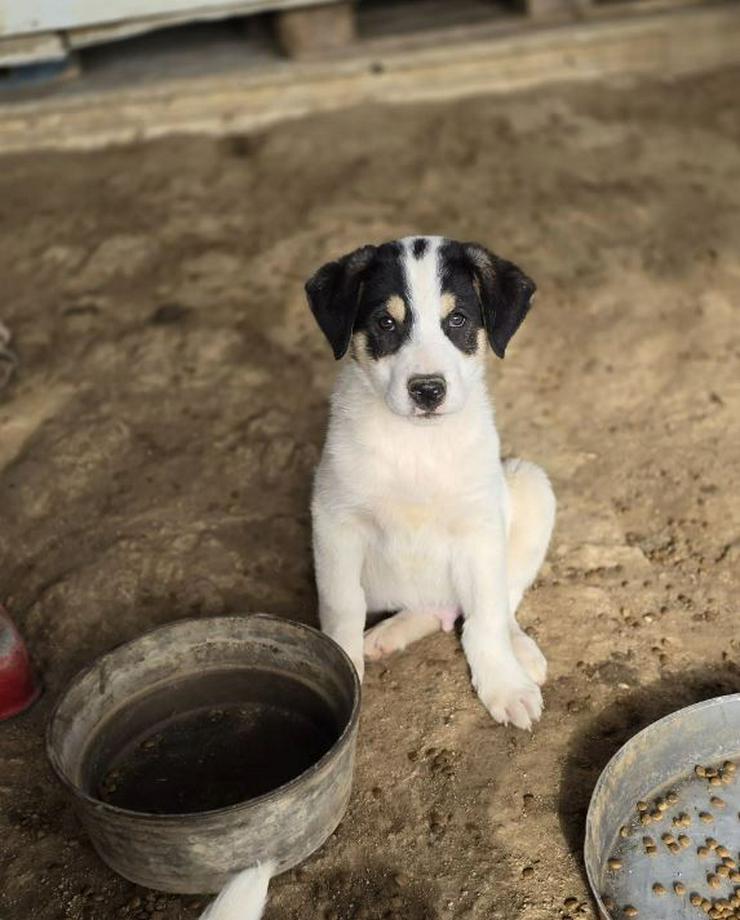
x: 419, y: 515
x: 243, y: 898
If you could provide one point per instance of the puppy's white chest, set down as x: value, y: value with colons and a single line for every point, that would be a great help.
x: 397, y: 517
x: 408, y: 548
x: 428, y: 495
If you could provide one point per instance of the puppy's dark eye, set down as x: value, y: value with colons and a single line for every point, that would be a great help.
x: 386, y: 323
x: 457, y: 319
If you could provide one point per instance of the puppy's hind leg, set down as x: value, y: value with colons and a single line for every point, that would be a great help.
x: 532, y: 517
x: 399, y: 631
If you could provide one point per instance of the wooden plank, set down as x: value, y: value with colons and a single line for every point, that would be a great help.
x: 30, y: 49
x: 115, y: 31
x: 656, y: 45
x: 606, y: 9
x: 554, y: 9
x: 30, y: 16
x: 315, y: 30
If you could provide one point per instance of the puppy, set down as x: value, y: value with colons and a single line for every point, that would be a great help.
x: 413, y: 509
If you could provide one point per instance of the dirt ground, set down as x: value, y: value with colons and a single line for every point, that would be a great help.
x: 157, y: 444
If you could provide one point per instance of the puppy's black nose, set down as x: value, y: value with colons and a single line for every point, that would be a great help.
x: 427, y: 390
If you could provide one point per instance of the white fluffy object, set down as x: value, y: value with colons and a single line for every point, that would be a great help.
x: 243, y: 898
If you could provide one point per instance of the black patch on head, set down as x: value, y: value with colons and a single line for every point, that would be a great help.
x: 503, y: 291
x: 457, y: 280
x: 334, y: 295
x: 419, y: 247
x: 352, y: 294
x: 384, y: 279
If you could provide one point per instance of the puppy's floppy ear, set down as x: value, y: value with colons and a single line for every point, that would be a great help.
x: 334, y: 294
x: 505, y: 294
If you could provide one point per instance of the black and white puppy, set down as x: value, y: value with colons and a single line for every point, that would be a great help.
x: 413, y: 509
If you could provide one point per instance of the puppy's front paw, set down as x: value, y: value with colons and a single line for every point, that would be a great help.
x: 511, y: 698
x: 529, y: 656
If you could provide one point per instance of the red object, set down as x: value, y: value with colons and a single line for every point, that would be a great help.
x: 18, y: 689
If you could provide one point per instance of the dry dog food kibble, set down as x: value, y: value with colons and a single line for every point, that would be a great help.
x: 704, y: 871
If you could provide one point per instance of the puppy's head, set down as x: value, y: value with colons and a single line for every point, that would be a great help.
x: 416, y: 314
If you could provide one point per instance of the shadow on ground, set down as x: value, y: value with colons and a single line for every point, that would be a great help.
x: 605, y: 734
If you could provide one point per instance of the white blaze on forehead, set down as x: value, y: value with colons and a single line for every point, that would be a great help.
x: 424, y: 290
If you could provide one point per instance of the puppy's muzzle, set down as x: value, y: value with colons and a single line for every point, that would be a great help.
x: 427, y: 391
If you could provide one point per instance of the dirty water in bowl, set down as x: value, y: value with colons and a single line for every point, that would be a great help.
x: 209, y: 741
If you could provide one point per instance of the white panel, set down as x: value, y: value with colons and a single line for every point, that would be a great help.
x: 22, y: 16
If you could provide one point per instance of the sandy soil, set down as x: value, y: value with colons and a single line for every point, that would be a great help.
x: 157, y: 444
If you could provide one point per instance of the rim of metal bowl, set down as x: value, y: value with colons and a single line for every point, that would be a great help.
x: 147, y: 816
x: 702, y: 704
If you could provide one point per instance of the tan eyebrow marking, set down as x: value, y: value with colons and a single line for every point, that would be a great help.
x: 397, y: 308
x: 449, y: 303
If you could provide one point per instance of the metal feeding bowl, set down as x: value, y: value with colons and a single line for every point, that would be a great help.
x: 663, y: 826
x: 209, y: 745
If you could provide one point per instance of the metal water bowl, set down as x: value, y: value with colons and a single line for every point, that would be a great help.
x: 208, y: 745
